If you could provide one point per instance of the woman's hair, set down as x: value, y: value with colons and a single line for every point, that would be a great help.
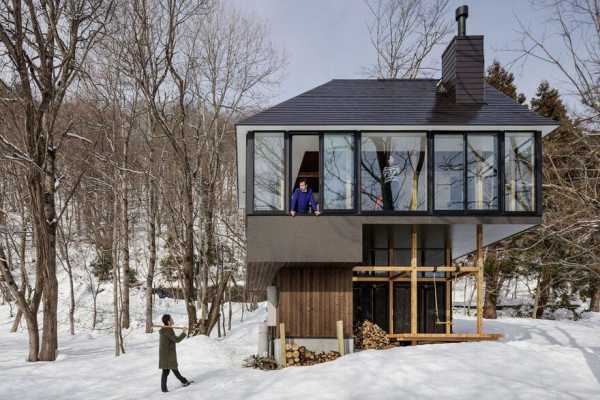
x: 166, y: 319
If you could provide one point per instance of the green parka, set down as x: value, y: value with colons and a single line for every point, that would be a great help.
x: 167, y: 351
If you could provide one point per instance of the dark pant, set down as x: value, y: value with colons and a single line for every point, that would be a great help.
x: 165, y: 374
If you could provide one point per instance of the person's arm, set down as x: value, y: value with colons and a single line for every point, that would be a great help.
x: 180, y: 337
x: 314, y: 204
x: 172, y: 337
x: 294, y: 203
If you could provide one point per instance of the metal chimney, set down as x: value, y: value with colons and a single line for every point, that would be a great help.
x: 462, y: 13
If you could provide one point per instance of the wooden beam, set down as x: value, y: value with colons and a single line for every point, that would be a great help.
x: 444, y: 337
x: 392, y: 268
x: 370, y: 279
x: 413, y: 280
x: 398, y: 279
x: 479, y: 264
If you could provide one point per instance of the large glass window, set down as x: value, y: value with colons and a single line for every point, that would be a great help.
x: 305, y: 166
x: 449, y: 172
x: 338, y: 171
x: 519, y: 165
x: 394, y: 171
x: 269, y: 181
x: 482, y: 172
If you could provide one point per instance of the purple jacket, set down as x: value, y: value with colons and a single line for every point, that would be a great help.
x: 301, y: 200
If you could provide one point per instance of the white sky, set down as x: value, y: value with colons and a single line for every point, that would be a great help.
x: 327, y: 39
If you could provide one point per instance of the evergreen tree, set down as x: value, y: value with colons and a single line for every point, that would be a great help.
x: 547, y: 103
x: 503, y: 80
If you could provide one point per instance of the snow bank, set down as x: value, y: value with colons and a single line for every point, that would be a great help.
x: 536, y: 359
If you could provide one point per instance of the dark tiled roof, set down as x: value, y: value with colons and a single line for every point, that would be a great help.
x: 392, y: 102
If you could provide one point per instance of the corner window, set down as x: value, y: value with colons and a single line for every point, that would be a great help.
x: 449, y: 167
x: 338, y: 171
x: 482, y: 172
x: 393, y: 171
x: 269, y: 180
x: 519, y: 165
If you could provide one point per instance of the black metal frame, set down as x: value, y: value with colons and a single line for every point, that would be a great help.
x: 499, y: 159
x: 356, y: 210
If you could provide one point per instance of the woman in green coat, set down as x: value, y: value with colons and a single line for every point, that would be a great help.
x: 167, y: 354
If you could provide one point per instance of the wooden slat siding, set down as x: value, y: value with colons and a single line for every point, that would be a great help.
x: 311, y: 300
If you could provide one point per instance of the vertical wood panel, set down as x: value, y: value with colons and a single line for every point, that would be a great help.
x: 313, y: 299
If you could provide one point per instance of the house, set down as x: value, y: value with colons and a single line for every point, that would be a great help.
x: 409, y: 175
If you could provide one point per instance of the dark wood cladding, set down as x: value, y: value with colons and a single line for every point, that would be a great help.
x: 311, y: 300
x: 463, y: 69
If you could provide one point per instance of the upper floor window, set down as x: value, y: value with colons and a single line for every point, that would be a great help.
x: 394, y: 171
x: 519, y: 165
x: 449, y: 164
x: 482, y: 172
x: 269, y: 168
x: 338, y: 171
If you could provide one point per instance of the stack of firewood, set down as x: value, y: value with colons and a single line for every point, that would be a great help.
x: 260, y: 362
x: 300, y: 355
x: 370, y: 336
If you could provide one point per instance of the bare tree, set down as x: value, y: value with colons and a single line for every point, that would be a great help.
x: 571, y: 44
x: 44, y: 44
x: 404, y: 33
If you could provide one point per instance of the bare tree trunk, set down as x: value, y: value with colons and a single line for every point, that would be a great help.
x: 125, y: 251
x: 72, y: 299
x: 30, y: 313
x: 594, y: 294
x: 188, y: 261
x: 152, y: 212
x: 115, y: 276
x: 16, y: 322
x: 230, y: 311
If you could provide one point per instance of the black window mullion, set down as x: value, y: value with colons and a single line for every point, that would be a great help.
x: 538, y: 172
x: 430, y: 173
x: 465, y: 174
x: 501, y: 176
x: 321, y: 204
x: 288, y: 170
x: 357, y: 171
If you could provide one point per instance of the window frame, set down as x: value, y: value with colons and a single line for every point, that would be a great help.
x: 537, y: 174
x: 425, y: 212
x: 251, y: 179
x: 357, y: 137
x: 355, y: 190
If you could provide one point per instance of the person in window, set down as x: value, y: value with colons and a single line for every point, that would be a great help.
x: 303, y: 201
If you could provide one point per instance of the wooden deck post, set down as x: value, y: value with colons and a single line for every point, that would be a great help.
x: 413, y: 280
x: 448, y: 262
x: 282, y: 344
x: 391, y: 304
x: 340, y: 336
x: 479, y: 265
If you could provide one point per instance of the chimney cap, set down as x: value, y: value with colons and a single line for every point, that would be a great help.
x: 462, y: 11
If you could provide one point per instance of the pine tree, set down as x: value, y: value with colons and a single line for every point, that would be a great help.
x: 547, y: 103
x: 503, y: 80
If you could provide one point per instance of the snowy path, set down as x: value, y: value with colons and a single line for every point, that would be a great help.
x: 537, y: 360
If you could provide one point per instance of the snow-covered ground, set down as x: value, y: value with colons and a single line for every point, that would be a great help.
x: 536, y: 360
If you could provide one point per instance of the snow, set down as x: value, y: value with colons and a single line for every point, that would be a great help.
x: 536, y: 359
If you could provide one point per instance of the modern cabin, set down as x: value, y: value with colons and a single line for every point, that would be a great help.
x: 408, y: 175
